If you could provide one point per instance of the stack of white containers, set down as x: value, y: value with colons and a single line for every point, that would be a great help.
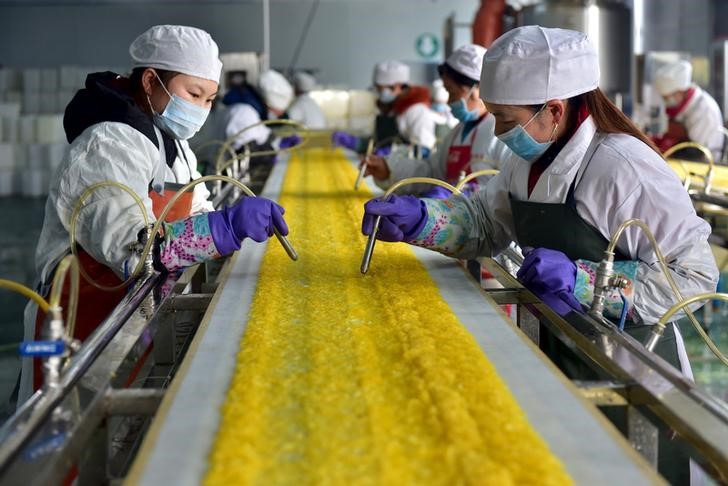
x: 32, y: 139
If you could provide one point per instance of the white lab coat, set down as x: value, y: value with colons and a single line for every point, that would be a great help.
x: 110, y: 220
x: 417, y: 124
x: 624, y: 180
x: 703, y: 122
x: 487, y: 153
x: 240, y: 116
x: 306, y: 111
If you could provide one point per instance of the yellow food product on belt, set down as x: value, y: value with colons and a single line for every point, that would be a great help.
x: 351, y: 379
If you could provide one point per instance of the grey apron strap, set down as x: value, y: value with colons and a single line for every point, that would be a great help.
x: 159, y: 173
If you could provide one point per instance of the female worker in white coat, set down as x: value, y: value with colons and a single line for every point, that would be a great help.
x: 409, y: 104
x: 134, y: 131
x: 580, y: 169
x: 693, y: 115
x: 470, y: 146
x: 304, y: 108
x: 277, y: 94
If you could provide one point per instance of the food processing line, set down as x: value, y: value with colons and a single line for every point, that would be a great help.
x: 141, y: 402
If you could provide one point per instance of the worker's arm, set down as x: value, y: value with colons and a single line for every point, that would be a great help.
x: 110, y: 219
x: 397, y: 166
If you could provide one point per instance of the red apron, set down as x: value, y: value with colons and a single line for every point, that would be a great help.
x: 459, y: 157
x: 94, y: 304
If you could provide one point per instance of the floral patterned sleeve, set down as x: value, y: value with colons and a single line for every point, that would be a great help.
x: 586, y: 272
x: 447, y: 227
x: 185, y: 243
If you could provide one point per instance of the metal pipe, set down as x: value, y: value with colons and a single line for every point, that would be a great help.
x: 265, y: 64
x: 364, y: 164
x: 20, y: 427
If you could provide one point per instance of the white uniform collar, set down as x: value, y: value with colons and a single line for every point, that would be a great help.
x: 569, y: 158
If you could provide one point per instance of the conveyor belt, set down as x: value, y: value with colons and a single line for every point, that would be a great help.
x: 375, y: 386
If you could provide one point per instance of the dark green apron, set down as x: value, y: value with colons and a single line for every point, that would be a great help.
x: 559, y: 227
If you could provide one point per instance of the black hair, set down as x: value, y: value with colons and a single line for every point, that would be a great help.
x: 444, y: 69
x: 135, y: 78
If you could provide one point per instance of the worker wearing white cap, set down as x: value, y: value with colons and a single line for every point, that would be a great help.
x: 134, y: 131
x: 471, y: 146
x: 404, y: 111
x: 304, y: 109
x: 580, y: 169
x: 692, y: 113
x: 440, y: 98
x: 277, y: 94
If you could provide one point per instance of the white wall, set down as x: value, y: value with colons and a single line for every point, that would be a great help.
x: 346, y: 37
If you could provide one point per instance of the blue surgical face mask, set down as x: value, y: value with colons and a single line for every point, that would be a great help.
x: 386, y: 96
x: 180, y: 118
x: 459, y: 110
x: 522, y: 143
x: 440, y: 107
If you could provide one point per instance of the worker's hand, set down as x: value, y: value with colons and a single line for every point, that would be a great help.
x: 344, y: 139
x: 403, y: 217
x: 551, y: 276
x: 251, y: 217
x: 289, y: 141
x: 377, y: 167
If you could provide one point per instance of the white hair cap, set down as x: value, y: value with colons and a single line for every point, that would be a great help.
x: 533, y: 64
x: 387, y: 73
x: 439, y: 93
x: 467, y: 60
x: 304, y: 82
x: 672, y: 77
x: 276, y: 90
x: 177, y: 48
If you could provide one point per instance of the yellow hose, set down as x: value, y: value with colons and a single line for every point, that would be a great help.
x: 671, y: 281
x: 25, y: 292
x: 220, y: 165
x: 69, y: 262
x: 474, y: 175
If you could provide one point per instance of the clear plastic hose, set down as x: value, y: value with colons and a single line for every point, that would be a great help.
x: 72, y: 231
x: 671, y: 281
x: 69, y: 262
x: 21, y: 289
x: 158, y: 224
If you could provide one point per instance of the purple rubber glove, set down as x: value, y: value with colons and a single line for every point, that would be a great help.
x: 251, y: 217
x: 403, y: 217
x: 344, y: 139
x: 437, y: 192
x: 551, y: 276
x: 290, y: 141
x: 383, y: 151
